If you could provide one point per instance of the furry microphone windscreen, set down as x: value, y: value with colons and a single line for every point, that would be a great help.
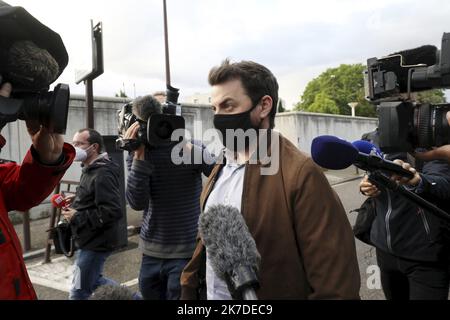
x: 112, y: 292
x: 30, y: 66
x: 144, y: 107
x: 228, y: 241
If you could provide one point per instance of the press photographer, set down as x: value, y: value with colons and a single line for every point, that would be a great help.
x: 167, y: 193
x: 26, y: 47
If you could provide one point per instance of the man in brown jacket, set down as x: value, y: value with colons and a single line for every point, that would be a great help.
x: 296, y: 219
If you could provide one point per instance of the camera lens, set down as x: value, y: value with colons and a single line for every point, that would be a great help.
x: 430, y: 125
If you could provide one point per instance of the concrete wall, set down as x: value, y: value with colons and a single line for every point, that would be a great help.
x: 302, y: 127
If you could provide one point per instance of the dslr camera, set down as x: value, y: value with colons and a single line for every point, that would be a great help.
x: 390, y: 83
x: 32, y: 57
x: 155, y: 128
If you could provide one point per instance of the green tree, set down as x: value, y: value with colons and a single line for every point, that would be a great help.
x: 432, y: 96
x: 121, y: 94
x: 342, y: 85
x: 323, y: 104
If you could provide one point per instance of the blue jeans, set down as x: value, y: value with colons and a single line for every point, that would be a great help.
x: 87, y: 275
x: 159, y: 279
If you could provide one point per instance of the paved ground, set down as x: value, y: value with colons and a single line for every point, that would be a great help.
x: 52, y: 281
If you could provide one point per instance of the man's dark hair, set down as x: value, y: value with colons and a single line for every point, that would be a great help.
x: 94, y: 137
x: 256, y: 79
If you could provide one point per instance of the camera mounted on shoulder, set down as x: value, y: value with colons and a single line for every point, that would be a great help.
x: 32, y: 57
x: 157, y: 121
x: 405, y: 124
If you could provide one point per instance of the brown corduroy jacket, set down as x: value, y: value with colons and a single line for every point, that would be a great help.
x: 300, y: 228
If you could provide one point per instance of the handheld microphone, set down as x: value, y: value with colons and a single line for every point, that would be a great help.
x: 58, y: 201
x: 231, y: 250
x: 333, y: 153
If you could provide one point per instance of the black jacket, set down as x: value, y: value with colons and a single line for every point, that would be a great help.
x: 98, y: 206
x: 403, y: 229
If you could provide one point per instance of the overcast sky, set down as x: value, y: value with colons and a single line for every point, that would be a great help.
x: 297, y: 40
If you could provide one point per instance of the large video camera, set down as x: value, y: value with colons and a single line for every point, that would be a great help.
x: 405, y: 124
x: 32, y: 57
x: 157, y: 129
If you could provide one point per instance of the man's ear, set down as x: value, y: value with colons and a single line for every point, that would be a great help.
x: 266, y: 106
x: 97, y: 147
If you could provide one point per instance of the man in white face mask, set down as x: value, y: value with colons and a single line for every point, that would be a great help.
x: 94, y: 213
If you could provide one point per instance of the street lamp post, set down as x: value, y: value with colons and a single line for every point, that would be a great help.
x: 353, y: 106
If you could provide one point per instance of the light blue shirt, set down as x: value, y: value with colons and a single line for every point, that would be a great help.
x: 227, y: 191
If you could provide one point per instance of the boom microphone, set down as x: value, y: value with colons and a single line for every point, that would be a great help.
x: 231, y: 250
x: 333, y: 153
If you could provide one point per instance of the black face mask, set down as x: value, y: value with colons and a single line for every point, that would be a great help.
x: 224, y: 122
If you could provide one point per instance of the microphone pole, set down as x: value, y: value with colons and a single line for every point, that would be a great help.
x: 377, y: 178
x: 166, y: 42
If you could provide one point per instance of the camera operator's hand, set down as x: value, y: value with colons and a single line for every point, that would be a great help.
x: 5, y: 90
x: 368, y: 189
x: 48, y: 145
x: 139, y: 154
x: 405, y: 181
x: 441, y: 153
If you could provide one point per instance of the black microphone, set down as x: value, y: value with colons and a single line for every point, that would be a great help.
x: 231, y: 250
x: 421, y: 55
x: 333, y: 153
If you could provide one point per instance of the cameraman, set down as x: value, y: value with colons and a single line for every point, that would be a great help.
x: 169, y: 194
x: 412, y: 251
x: 21, y: 188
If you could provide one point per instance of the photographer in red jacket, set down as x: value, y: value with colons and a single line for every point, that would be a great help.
x: 21, y: 188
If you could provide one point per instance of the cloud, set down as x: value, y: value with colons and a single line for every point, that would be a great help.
x: 297, y: 40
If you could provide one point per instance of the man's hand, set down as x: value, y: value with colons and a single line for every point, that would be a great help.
x: 5, y: 90
x: 406, y: 181
x: 69, y: 199
x: 68, y: 213
x: 139, y: 154
x: 441, y: 153
x: 48, y: 145
x: 368, y: 189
